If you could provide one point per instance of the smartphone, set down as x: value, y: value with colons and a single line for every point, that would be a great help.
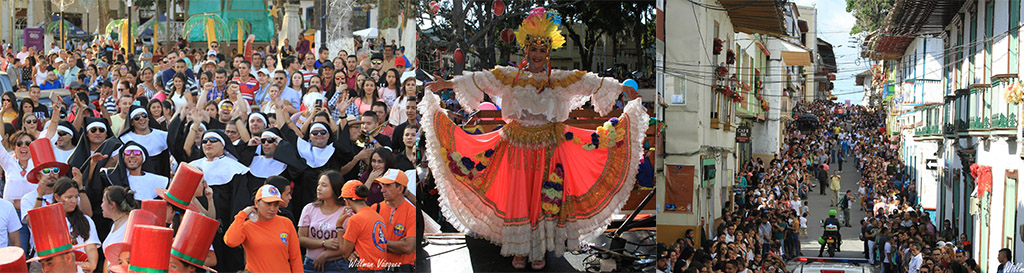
x: 83, y: 97
x: 319, y: 102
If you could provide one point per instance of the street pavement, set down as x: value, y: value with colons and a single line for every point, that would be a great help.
x: 852, y: 246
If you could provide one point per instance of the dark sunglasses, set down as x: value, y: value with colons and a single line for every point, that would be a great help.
x: 32, y: 121
x: 318, y: 132
x: 22, y: 143
x: 339, y: 78
x: 132, y: 152
x: 140, y: 116
x: 62, y: 133
x: 268, y: 140
x: 6, y: 100
x: 211, y: 140
x: 98, y: 129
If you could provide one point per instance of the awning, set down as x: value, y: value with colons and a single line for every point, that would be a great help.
x: 795, y: 55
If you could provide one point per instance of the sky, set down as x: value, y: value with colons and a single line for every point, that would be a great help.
x: 834, y: 25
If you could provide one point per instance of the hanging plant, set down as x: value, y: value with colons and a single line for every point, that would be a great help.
x: 764, y: 106
x: 730, y: 57
x: 728, y: 92
x: 717, y: 46
x: 759, y: 98
x: 720, y: 88
x: 721, y: 71
x: 737, y: 97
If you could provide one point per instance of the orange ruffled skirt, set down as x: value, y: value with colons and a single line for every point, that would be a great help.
x: 534, y: 189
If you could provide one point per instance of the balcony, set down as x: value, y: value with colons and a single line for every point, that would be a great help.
x: 961, y: 127
x: 1002, y: 124
x: 928, y: 132
x: 949, y: 130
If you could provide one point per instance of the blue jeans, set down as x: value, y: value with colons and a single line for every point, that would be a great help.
x: 339, y: 265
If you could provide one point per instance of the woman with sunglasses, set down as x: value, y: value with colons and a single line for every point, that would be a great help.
x: 231, y: 191
x: 259, y: 153
x: 142, y: 128
x: 9, y: 112
x: 64, y: 143
x: 16, y: 166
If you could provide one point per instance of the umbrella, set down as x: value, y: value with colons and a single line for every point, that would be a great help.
x: 213, y: 26
x: 242, y: 27
x: 116, y: 25
x: 366, y: 33
x: 55, y: 27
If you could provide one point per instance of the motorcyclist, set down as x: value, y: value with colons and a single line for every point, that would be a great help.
x: 831, y: 225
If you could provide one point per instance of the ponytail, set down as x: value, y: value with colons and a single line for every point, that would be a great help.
x: 123, y: 198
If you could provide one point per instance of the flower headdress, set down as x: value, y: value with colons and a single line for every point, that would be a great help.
x: 540, y: 28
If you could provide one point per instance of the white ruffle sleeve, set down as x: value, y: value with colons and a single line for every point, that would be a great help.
x: 471, y: 87
x: 602, y: 92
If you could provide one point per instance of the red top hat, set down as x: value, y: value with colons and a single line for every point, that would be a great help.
x: 195, y: 235
x: 136, y: 218
x: 12, y: 259
x: 154, y: 243
x: 42, y: 156
x: 51, y: 235
x: 183, y: 186
x: 158, y: 208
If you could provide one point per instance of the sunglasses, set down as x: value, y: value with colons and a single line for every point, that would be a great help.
x: 98, y: 129
x: 211, y: 140
x: 132, y: 152
x: 140, y: 116
x: 62, y: 133
x: 6, y: 100
x: 268, y: 140
x: 376, y: 62
x: 32, y: 121
x: 22, y: 143
x: 54, y: 170
x: 339, y: 78
x: 318, y: 132
x: 227, y: 107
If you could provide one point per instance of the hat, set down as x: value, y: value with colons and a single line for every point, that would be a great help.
x: 400, y: 62
x: 42, y: 155
x: 211, y: 52
x: 264, y: 71
x: 158, y: 208
x: 52, y: 238
x: 58, y: 60
x: 76, y: 86
x: 135, y: 218
x: 183, y: 186
x: 195, y: 235
x: 393, y: 176
x: 377, y: 56
x: 102, y: 65
x: 268, y: 193
x: 349, y: 189
x: 105, y: 83
x: 12, y: 259
x: 352, y: 120
x: 155, y: 243
x: 208, y: 62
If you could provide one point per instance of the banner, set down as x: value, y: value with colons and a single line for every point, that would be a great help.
x: 679, y: 188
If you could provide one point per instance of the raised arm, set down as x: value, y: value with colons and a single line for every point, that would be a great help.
x: 471, y: 86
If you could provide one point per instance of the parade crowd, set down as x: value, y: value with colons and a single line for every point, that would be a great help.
x: 762, y: 227
x: 275, y: 159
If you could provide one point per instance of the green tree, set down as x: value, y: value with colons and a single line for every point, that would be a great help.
x: 870, y: 14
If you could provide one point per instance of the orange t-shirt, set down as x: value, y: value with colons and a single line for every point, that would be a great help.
x: 401, y: 224
x: 366, y: 229
x: 271, y: 246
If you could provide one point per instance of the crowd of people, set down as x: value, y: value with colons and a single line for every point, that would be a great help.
x: 762, y: 227
x: 307, y: 159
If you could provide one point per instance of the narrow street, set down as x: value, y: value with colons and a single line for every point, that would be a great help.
x: 852, y: 246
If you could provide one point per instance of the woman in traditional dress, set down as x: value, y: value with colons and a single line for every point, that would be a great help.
x: 536, y: 185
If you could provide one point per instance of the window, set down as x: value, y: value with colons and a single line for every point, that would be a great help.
x: 990, y: 16
x: 1014, y: 33
x: 974, y: 48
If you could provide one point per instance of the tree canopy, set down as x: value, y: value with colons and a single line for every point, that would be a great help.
x: 870, y: 14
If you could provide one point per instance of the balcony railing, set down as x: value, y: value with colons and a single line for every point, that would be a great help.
x: 928, y: 130
x: 1002, y: 121
x: 979, y: 123
x: 949, y: 129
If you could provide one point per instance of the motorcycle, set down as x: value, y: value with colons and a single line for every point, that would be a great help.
x: 830, y: 241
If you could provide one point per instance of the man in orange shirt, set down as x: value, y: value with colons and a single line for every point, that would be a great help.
x: 400, y: 216
x: 365, y: 231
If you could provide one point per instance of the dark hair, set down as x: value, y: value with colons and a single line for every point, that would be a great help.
x: 79, y: 224
x: 278, y: 182
x: 123, y: 198
x: 1008, y: 253
x: 184, y: 85
x: 381, y: 104
x: 362, y: 192
x: 246, y: 62
x: 388, y: 157
x: 337, y: 181
x: 21, y: 117
x: 371, y: 114
x: 384, y: 78
x: 221, y: 71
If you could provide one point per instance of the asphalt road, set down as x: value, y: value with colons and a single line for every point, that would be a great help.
x: 852, y: 246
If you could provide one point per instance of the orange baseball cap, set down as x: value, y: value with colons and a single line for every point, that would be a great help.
x: 393, y: 176
x: 268, y: 193
x: 349, y: 189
